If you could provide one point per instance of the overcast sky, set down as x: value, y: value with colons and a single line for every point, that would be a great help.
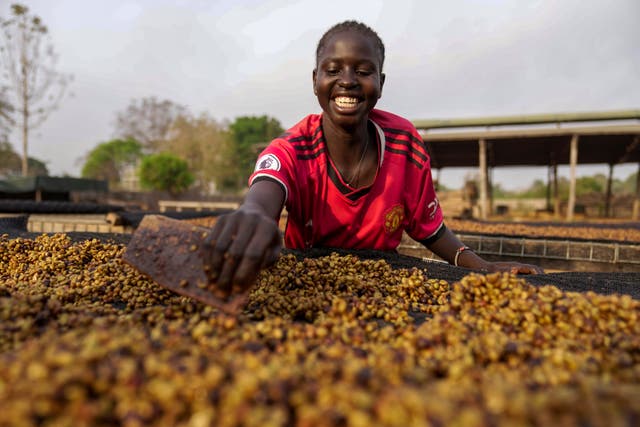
x: 445, y: 59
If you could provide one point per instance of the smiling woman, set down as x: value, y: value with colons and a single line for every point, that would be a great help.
x: 353, y: 177
x: 348, y: 82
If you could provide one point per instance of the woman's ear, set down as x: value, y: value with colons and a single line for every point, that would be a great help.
x: 313, y: 78
x: 382, y: 77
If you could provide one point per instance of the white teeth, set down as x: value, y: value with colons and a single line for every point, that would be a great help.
x: 344, y: 101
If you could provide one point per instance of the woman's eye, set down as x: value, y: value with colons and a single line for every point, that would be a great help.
x: 332, y: 71
x: 364, y: 72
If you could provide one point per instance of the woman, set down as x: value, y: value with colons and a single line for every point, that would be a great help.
x: 352, y: 177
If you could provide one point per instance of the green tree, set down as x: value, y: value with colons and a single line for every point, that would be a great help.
x: 165, y: 172
x: 11, y: 163
x: 591, y: 184
x: 248, y: 134
x: 499, y: 192
x: 537, y: 189
x: 35, y: 88
x: 109, y: 160
x: 37, y: 167
x: 9, y: 160
x: 6, y: 110
x: 628, y: 185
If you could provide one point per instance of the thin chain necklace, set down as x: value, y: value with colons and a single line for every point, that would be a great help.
x: 357, y: 172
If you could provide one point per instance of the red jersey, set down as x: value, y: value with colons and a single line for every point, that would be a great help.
x: 323, y: 211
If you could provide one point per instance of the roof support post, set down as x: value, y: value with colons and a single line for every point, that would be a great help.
x: 482, y: 156
x: 636, y: 201
x: 556, y: 193
x: 573, y: 161
x: 607, y: 200
x: 491, y: 209
x: 548, y: 192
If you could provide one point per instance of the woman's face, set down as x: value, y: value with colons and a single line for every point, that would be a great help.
x: 348, y: 80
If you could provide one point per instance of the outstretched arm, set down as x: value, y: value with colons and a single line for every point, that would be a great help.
x: 449, y: 248
x: 246, y: 240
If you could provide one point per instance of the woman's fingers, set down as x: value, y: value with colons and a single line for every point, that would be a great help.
x: 240, y: 245
x: 235, y: 253
x: 217, y: 243
x: 261, y: 251
x: 517, y: 268
x: 273, y: 252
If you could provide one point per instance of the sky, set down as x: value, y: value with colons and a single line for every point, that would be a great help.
x: 230, y: 58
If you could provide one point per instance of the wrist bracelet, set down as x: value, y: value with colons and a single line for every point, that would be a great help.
x: 458, y: 252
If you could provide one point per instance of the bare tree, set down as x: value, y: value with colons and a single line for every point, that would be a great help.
x: 28, y: 59
x: 206, y: 146
x: 148, y: 121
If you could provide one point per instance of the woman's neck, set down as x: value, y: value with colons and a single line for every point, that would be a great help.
x: 345, y: 145
x: 353, y: 153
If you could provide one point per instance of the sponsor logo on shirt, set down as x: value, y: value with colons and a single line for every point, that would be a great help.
x: 268, y: 161
x: 393, y: 218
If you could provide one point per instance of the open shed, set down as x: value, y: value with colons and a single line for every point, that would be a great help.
x: 550, y: 140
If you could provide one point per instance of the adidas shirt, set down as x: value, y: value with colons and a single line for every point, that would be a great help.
x: 323, y: 211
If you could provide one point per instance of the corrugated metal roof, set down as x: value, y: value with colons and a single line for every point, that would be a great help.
x: 530, y: 119
x: 522, y: 141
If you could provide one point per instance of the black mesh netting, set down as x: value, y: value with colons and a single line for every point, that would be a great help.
x: 17, y: 222
x: 55, y: 207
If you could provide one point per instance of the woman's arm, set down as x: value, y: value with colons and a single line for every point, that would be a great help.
x: 451, y: 249
x: 246, y: 240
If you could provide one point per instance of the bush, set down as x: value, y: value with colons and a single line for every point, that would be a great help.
x: 165, y: 172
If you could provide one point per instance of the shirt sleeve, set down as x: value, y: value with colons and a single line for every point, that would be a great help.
x: 426, y: 218
x: 275, y: 163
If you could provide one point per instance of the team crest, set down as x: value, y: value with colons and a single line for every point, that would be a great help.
x: 393, y: 218
x: 268, y: 161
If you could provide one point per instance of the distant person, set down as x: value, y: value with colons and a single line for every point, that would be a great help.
x: 352, y: 177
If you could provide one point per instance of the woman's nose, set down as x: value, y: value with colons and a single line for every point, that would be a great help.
x: 348, y: 78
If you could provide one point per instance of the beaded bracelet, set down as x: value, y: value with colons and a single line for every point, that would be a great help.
x: 458, y: 252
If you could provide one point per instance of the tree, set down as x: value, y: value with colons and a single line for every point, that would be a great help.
x: 205, y: 145
x: 109, y: 160
x: 629, y: 184
x: 591, y: 184
x: 9, y: 160
x: 5, y: 115
x: 247, y: 133
x: 11, y: 163
x: 37, y: 167
x: 148, y: 121
x: 498, y: 192
x: 29, y: 63
x: 165, y: 172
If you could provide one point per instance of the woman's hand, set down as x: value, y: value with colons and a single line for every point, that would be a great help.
x: 240, y: 244
x: 449, y: 248
x: 513, y: 268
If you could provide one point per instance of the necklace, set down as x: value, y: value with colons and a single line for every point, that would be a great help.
x: 357, y: 171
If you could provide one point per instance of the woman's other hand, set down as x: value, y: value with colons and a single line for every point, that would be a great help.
x: 513, y: 268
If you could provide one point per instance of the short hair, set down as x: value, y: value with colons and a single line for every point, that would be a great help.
x: 354, y: 26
